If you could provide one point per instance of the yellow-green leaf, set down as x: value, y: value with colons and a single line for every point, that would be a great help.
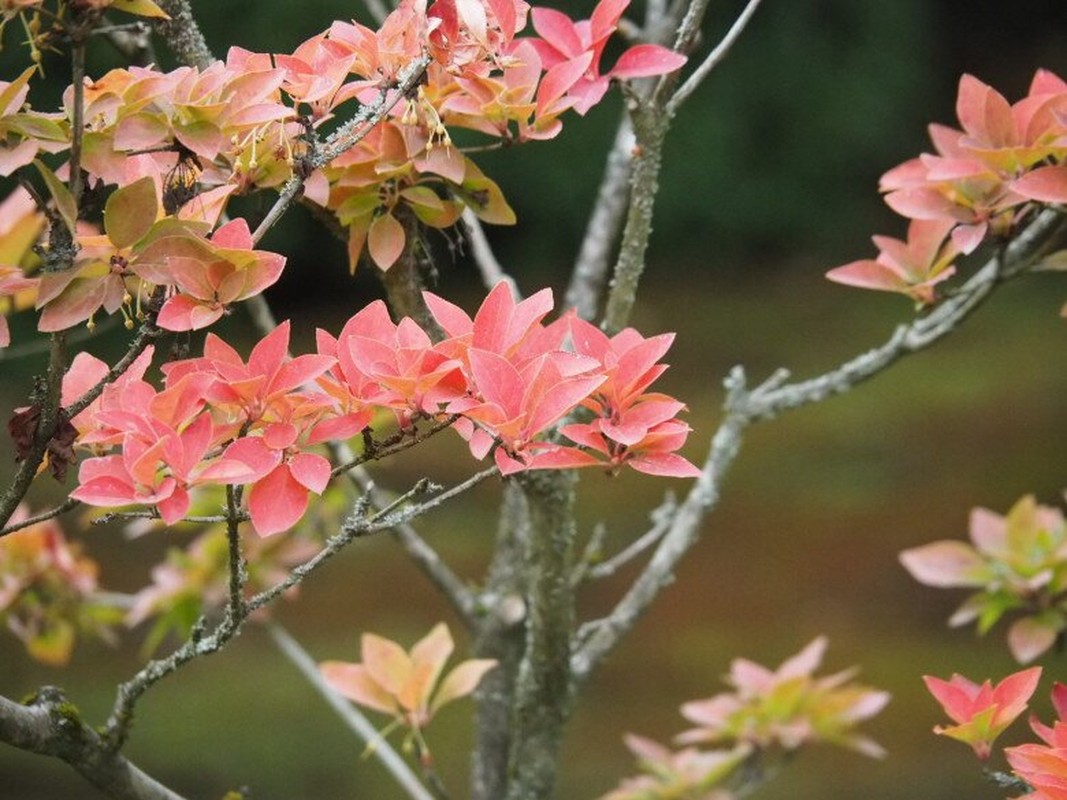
x: 65, y: 204
x: 130, y: 212
x: 142, y: 8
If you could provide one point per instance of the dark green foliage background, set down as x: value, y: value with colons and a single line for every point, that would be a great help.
x: 769, y: 180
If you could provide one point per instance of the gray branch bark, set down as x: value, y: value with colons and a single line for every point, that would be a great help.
x: 50, y: 726
x: 597, y: 638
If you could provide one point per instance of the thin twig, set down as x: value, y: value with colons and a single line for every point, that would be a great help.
x: 592, y: 554
x: 44, y: 516
x: 152, y: 513
x: 662, y: 518
x: 48, y: 402
x: 400, y: 441
x: 425, y: 557
x: 349, y: 714
x: 343, y: 139
x: 491, y: 269
x: 359, y: 524
x: 713, y: 59
x: 436, y: 501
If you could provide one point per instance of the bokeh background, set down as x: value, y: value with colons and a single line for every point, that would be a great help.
x: 770, y: 179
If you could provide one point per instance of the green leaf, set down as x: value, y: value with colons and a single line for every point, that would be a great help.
x: 357, y: 205
x: 130, y: 212
x: 422, y: 196
x: 484, y: 198
x: 65, y: 204
x: 995, y: 606
x: 34, y: 127
x: 429, y: 208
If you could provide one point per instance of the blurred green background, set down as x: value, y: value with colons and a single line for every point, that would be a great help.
x: 769, y: 180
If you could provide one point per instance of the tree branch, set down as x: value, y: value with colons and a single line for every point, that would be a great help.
x: 597, y: 638
x: 344, y: 138
x: 183, y: 35
x: 49, y: 725
x: 44, y: 516
x: 541, y: 700
x: 591, y: 267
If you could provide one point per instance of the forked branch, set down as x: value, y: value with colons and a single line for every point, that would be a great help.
x: 597, y: 638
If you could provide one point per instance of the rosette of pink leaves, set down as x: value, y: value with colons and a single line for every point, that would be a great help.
x: 268, y: 403
x: 978, y: 175
x: 521, y: 379
x: 392, y: 365
x: 207, y: 275
x: 982, y: 180
x: 1017, y: 562
x: 1044, y: 767
x: 503, y: 378
x: 633, y: 427
x: 167, y: 438
x: 913, y: 267
x: 981, y: 712
x: 787, y: 707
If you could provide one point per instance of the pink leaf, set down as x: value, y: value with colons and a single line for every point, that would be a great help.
x: 255, y: 454
x: 1045, y: 184
x: 497, y: 380
x: 558, y: 30
x: 270, y: 352
x: 1028, y: 638
x: 234, y: 235
x: 558, y: 80
x: 449, y: 316
x: 944, y: 564
x: 183, y: 313
x: 386, y: 662
x: 645, y: 61
x: 461, y: 681
x: 311, y: 471
x: 385, y: 240
x: 354, y: 682
x: 668, y: 465
x: 277, y: 502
